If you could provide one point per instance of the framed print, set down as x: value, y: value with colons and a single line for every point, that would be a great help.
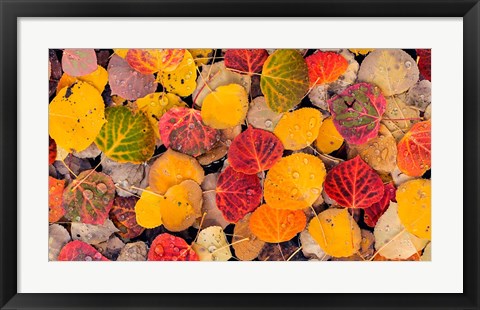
x: 279, y: 150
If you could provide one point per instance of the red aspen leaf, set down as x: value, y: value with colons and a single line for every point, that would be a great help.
x: 325, y: 67
x: 127, y: 82
x: 357, y: 112
x: 55, y: 192
x: 166, y: 247
x: 254, y: 150
x: 89, y: 198
x: 414, y: 150
x: 123, y: 216
x: 247, y: 61
x: 148, y: 61
x: 425, y: 63
x: 354, y: 184
x: 80, y: 251
x: 182, y: 130
x: 78, y: 62
x: 373, y: 213
x: 52, y: 151
x: 237, y: 194
x: 276, y: 225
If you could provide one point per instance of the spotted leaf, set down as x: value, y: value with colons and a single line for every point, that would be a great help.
x: 357, y: 112
x: 89, y: 198
x: 55, y: 193
x: 254, y: 150
x: 80, y: 251
x: 354, y: 184
x: 237, y: 194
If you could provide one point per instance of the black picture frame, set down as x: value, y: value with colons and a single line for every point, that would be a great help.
x: 12, y: 9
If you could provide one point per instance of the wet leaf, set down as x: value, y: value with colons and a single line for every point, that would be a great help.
x: 276, y: 225
x: 354, y: 184
x: 295, y: 182
x: 147, y: 209
x: 399, y: 117
x: 393, y: 70
x: 110, y: 248
x: 181, y: 80
x: 284, y: 80
x: 136, y: 251
x: 89, y: 198
x: 328, y: 139
x: 246, y: 61
x: 55, y: 194
x: 155, y: 105
x: 325, y: 67
x: 181, y: 205
x: 124, y: 217
x: 357, y: 112
x: 215, y: 76
x: 148, y: 61
x: 57, y: 237
x: 127, y: 82
x: 131, y: 177
x: 392, y: 241
x: 298, y: 129
x: 97, y: 79
x: 166, y: 247
x: 171, y: 168
x: 93, y: 234
x: 212, y: 244
x: 246, y: 250
x: 254, y: 150
x: 78, y: 62
x: 76, y: 116
x: 373, y: 213
x: 260, y: 116
x: 414, y: 150
x: 420, y: 95
x: 336, y: 232
x: 237, y: 194
x: 225, y: 107
x: 80, y: 251
x: 182, y: 129
x: 126, y: 136
x: 414, y: 207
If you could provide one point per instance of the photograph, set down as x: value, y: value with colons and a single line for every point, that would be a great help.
x: 218, y: 154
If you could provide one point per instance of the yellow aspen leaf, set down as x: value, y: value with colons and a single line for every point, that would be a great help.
x: 201, y: 55
x: 212, y: 244
x: 147, y: 209
x: 181, y: 205
x: 276, y: 225
x: 295, y: 182
x: 414, y: 207
x: 298, y: 129
x: 329, y: 139
x: 171, y: 169
x: 225, y: 107
x: 392, y: 240
x: 336, y: 232
x: 122, y: 52
x: 76, y: 116
x: 182, y: 80
x: 97, y: 79
x: 155, y: 105
x: 360, y: 51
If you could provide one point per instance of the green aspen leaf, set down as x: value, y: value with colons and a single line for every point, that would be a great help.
x: 284, y: 80
x: 127, y: 136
